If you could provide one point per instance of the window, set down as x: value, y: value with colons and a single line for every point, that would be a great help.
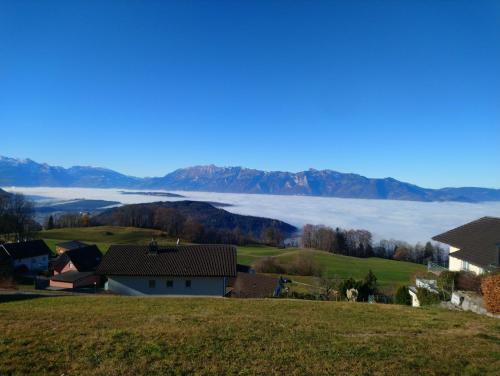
x: 152, y: 283
x: 170, y: 283
x: 188, y: 283
x: 465, y: 265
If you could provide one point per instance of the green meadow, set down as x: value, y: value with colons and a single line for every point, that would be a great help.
x: 112, y: 335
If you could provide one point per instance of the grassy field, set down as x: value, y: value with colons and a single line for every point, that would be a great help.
x: 110, y: 335
x: 390, y: 273
x: 103, y: 236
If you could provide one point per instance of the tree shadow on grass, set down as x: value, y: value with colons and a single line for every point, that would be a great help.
x: 5, y: 298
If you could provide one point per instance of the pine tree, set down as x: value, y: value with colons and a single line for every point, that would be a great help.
x: 50, y: 223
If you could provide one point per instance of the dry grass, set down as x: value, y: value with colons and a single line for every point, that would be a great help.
x: 130, y: 336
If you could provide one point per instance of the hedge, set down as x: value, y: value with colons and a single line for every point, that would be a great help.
x: 426, y: 297
x: 491, y: 292
x: 402, y: 296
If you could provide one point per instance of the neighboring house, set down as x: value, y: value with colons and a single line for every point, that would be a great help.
x: 6, y: 268
x: 249, y: 285
x: 201, y: 270
x: 32, y: 256
x: 76, y: 268
x: 68, y: 246
x: 475, y: 246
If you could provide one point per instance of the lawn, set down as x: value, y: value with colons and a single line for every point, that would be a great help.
x: 108, y: 335
x: 390, y: 273
x: 103, y: 236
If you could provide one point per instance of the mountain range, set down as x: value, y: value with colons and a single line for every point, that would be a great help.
x: 28, y: 173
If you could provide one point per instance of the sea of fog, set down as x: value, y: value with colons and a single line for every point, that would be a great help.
x: 404, y: 220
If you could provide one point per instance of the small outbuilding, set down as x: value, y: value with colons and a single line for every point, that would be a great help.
x: 75, y: 268
x: 247, y: 285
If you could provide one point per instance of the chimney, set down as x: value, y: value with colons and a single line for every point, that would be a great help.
x: 153, y: 247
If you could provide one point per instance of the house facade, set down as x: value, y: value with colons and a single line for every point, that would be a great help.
x: 458, y: 263
x: 474, y: 247
x: 167, y: 285
x: 31, y: 256
x: 185, y: 270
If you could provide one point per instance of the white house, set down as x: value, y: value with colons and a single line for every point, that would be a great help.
x: 201, y: 270
x: 33, y: 256
x: 475, y: 246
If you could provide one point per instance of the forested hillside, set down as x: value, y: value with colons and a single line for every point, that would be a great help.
x: 197, y: 221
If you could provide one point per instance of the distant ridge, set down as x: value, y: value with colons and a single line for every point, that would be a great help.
x: 210, y: 178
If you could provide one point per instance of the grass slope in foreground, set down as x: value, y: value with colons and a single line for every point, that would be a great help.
x: 130, y: 336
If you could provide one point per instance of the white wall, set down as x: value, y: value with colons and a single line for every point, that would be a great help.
x: 455, y: 265
x: 202, y: 286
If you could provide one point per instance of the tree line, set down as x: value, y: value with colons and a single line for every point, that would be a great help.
x: 67, y: 220
x: 359, y: 243
x: 16, y: 218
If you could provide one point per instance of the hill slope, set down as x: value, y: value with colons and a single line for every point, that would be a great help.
x: 158, y: 336
x: 210, y: 217
x: 15, y: 172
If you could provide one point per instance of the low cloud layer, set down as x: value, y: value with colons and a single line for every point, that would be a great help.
x: 404, y: 220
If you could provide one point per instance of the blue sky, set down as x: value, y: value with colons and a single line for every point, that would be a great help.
x: 381, y: 88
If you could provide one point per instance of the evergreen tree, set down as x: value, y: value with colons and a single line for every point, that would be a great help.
x: 50, y: 223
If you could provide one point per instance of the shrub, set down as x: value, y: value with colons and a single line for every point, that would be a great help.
x: 269, y: 265
x: 367, y: 287
x: 402, y: 296
x: 491, y: 292
x: 364, y: 288
x: 446, y: 280
x: 304, y: 265
x: 301, y: 265
x: 348, y: 284
x: 468, y: 281
x: 426, y: 297
x: 302, y: 295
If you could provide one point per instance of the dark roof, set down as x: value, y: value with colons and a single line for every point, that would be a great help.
x: 184, y: 260
x: 72, y: 244
x: 32, y: 248
x: 254, y: 286
x: 241, y: 268
x: 85, y: 259
x: 71, y: 276
x: 477, y: 241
